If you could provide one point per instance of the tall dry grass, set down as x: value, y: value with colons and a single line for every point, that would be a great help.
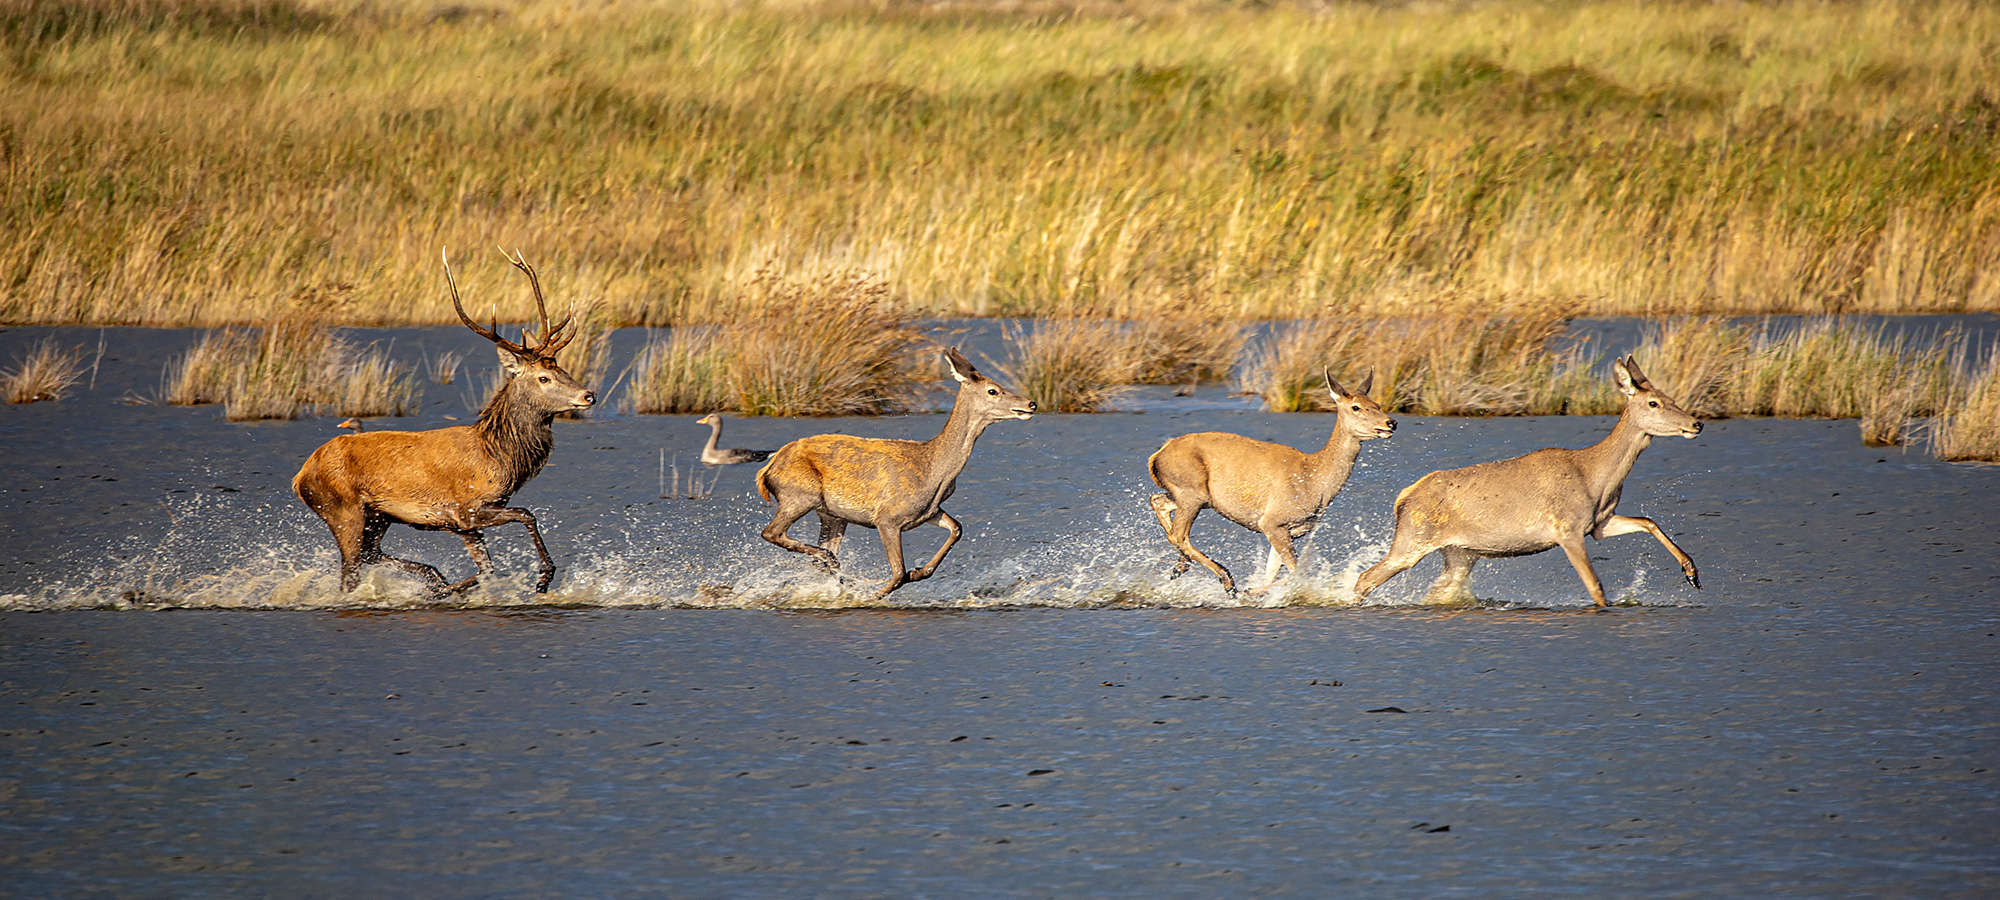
x: 832, y: 345
x: 293, y: 364
x: 46, y: 372
x: 1287, y: 160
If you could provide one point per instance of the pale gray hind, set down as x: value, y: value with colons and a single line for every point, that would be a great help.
x: 1549, y: 498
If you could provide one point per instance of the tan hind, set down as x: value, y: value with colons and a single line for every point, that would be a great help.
x: 1528, y: 504
x: 1268, y: 488
x: 891, y: 486
x: 449, y: 479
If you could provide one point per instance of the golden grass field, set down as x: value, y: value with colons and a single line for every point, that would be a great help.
x: 200, y: 162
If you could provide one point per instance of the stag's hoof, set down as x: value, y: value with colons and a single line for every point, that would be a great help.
x: 1693, y: 577
x: 441, y: 591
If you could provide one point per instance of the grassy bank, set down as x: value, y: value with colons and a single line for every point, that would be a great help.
x: 200, y: 161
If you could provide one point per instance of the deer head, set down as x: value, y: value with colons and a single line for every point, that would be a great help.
x: 534, y: 376
x: 1655, y: 413
x: 1358, y: 413
x: 983, y: 397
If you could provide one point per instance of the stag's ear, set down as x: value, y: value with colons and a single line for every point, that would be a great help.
x: 509, y: 362
x: 1622, y: 371
x: 961, y: 368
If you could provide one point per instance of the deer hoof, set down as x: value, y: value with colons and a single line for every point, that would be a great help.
x: 1694, y: 578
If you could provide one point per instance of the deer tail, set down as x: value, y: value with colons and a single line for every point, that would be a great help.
x: 764, y: 481
x: 1153, y: 467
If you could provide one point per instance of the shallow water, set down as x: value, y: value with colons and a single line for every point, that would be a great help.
x: 1819, y: 721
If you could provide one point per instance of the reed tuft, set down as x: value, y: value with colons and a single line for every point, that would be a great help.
x: 830, y: 345
x: 46, y: 372
x: 1071, y: 365
x: 1969, y: 426
x: 292, y: 364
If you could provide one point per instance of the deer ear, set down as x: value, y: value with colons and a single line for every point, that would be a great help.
x: 509, y: 363
x: 1367, y: 384
x: 1639, y: 378
x: 1623, y: 376
x: 1333, y: 387
x: 961, y: 368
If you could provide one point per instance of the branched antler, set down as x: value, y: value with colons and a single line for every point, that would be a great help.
x: 551, y: 339
x: 490, y: 333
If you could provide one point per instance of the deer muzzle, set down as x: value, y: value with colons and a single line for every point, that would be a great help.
x: 1690, y: 431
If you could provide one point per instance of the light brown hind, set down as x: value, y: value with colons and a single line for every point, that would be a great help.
x: 889, y: 485
x: 1272, y: 489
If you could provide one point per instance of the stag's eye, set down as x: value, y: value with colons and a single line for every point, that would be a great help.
x: 993, y: 391
x: 545, y: 380
x: 1653, y: 403
x: 1357, y: 407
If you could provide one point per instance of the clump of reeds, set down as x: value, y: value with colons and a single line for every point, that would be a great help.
x: 46, y: 372
x: 293, y: 363
x: 1073, y: 364
x: 444, y: 366
x: 1969, y: 426
x: 1823, y: 368
x: 829, y: 345
x: 1070, y: 365
x: 686, y: 372
x: 1453, y: 365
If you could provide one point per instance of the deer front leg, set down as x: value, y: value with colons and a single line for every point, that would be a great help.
x: 892, y: 544
x: 945, y: 521
x: 1580, y: 558
x: 1282, y: 555
x: 1617, y: 525
x: 487, y: 517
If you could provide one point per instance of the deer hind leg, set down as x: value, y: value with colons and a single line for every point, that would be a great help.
x: 1617, y: 525
x: 349, y: 525
x: 1580, y: 558
x: 831, y: 531
x: 790, y: 511
x: 1177, y: 534
x: 892, y: 544
x: 1404, y: 551
x: 945, y: 521
x: 371, y: 552
x: 1163, y: 509
x: 1451, y: 584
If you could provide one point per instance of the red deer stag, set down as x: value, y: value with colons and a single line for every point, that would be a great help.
x: 1268, y: 488
x: 887, y: 485
x: 1549, y: 498
x: 454, y: 479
